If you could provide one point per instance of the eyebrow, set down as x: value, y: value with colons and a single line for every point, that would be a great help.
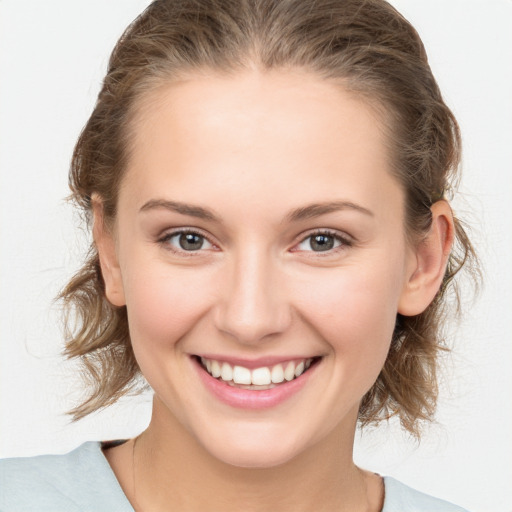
x: 302, y: 213
x: 183, y: 208
x: 317, y: 209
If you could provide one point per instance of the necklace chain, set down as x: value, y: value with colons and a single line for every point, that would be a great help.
x: 134, y: 487
x: 137, y: 507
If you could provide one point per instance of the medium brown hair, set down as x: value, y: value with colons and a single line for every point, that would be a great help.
x: 364, y: 44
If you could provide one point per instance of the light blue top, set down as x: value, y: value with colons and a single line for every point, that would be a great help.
x: 82, y: 480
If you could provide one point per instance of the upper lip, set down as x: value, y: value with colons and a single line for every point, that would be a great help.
x: 256, y: 362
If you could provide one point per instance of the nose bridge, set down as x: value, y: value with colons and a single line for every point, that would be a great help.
x: 254, y: 304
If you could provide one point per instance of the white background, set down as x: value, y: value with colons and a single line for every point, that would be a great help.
x: 53, y: 56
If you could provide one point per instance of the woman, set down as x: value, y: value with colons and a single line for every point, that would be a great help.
x: 272, y: 247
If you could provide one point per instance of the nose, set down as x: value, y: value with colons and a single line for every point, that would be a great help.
x: 253, y: 305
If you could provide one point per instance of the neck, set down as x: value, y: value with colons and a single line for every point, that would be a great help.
x: 173, y: 471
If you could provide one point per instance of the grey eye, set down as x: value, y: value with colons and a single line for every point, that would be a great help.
x: 320, y: 242
x: 189, y: 242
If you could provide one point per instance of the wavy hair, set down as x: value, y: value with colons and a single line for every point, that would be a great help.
x: 373, y: 51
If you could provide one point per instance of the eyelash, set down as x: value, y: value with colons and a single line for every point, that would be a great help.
x: 344, y: 242
x: 164, y: 241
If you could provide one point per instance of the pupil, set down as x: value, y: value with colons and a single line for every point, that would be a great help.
x: 322, y: 242
x: 191, y: 241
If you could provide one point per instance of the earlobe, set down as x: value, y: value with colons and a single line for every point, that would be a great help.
x: 109, y: 264
x: 430, y: 258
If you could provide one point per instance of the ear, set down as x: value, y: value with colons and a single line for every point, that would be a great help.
x: 428, y: 262
x: 106, y: 247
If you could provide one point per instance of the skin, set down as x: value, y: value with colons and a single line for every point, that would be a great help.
x: 252, y: 148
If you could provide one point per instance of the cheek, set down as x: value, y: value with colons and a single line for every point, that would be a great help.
x: 164, y: 302
x: 355, y: 312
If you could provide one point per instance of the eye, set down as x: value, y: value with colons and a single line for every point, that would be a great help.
x: 186, y: 241
x: 322, y: 241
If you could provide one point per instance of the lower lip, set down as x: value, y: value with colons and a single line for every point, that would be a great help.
x: 252, y: 398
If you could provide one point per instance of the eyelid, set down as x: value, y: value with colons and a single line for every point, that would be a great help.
x: 168, y: 234
x: 345, y: 239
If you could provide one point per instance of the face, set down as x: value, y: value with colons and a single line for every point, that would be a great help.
x: 259, y: 235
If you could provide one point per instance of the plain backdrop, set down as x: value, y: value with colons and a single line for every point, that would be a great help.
x: 53, y: 55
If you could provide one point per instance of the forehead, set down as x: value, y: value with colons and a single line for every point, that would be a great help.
x: 252, y: 133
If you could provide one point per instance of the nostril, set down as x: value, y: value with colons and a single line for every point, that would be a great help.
x: 253, y: 307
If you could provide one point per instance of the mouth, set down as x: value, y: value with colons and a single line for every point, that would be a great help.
x: 260, y: 378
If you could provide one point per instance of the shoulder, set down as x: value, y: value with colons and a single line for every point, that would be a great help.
x: 400, y: 497
x: 77, y: 481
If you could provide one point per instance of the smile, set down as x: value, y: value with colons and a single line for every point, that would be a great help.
x: 254, y: 384
x: 265, y: 377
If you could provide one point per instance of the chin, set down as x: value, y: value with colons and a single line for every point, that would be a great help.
x: 253, y: 459
x: 253, y: 452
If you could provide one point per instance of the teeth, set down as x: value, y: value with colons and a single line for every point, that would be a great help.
x: 207, y: 363
x: 241, y: 375
x: 261, y: 377
x: 226, y: 372
x: 289, y: 372
x: 215, y: 369
x: 264, y: 376
x: 277, y: 374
